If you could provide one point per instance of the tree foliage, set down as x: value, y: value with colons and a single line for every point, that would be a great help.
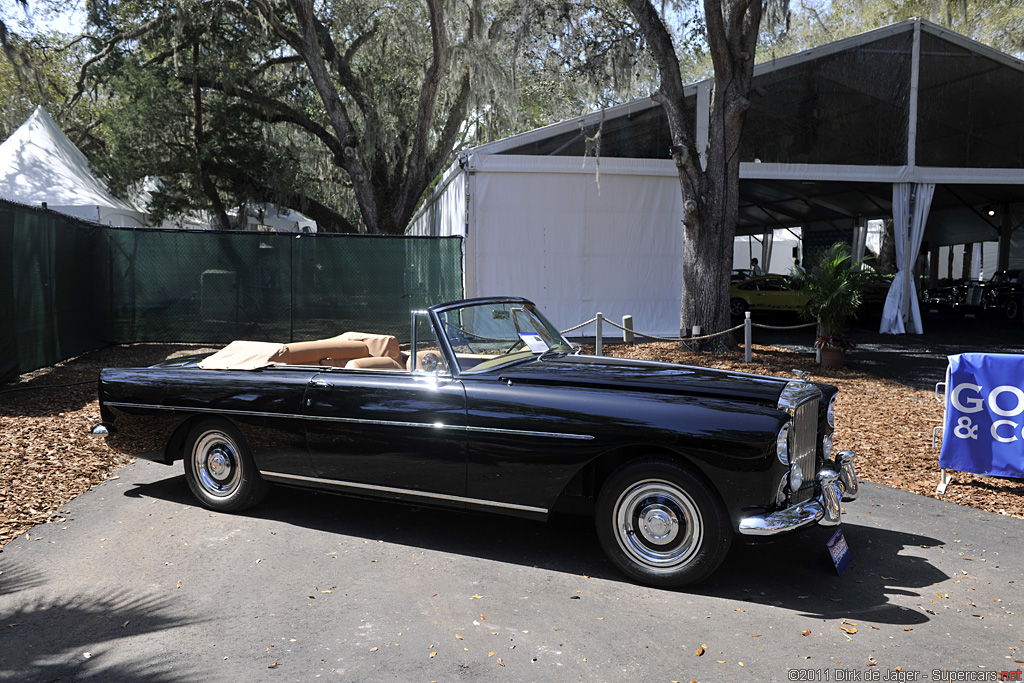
x: 346, y: 111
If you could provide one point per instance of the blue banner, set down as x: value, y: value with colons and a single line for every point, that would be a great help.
x: 984, y: 431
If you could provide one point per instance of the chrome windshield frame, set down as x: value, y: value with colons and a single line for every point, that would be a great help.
x: 441, y: 332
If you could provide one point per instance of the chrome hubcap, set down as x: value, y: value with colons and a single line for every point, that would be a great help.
x: 215, y: 460
x: 658, y: 525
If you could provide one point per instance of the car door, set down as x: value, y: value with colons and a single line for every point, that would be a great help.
x: 397, y: 434
x: 526, y: 441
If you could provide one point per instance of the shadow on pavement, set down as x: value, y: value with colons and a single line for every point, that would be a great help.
x: 67, y: 639
x: 792, y: 572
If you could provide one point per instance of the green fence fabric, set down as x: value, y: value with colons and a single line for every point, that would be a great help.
x: 51, y: 292
x: 68, y: 286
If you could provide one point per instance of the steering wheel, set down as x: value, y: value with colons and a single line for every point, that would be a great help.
x: 519, y: 342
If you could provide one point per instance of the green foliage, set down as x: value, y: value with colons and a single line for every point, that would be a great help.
x: 998, y: 23
x: 834, y: 289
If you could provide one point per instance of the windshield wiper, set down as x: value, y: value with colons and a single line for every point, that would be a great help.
x: 552, y: 353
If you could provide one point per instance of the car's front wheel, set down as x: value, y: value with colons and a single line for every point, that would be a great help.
x: 738, y: 306
x: 661, y: 524
x: 1012, y: 309
x: 220, y: 470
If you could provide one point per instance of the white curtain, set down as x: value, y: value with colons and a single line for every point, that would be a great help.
x: 766, y: 250
x: 908, y: 223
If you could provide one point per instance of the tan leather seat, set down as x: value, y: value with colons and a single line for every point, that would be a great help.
x: 373, y: 364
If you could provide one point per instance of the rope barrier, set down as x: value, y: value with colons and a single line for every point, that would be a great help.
x: 686, y: 340
x: 573, y: 329
x: 676, y: 339
x: 791, y: 327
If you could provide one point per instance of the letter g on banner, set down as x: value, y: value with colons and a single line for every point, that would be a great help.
x: 977, y: 404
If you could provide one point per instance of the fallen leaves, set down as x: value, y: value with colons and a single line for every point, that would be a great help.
x: 47, y: 456
x: 701, y: 650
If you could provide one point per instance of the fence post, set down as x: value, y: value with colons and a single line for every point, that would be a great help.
x: 696, y: 333
x: 748, y: 334
x: 598, y: 334
x: 627, y: 333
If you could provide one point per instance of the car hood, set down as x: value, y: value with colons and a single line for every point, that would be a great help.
x: 639, y: 375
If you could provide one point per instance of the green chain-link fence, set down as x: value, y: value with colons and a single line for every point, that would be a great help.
x: 68, y: 286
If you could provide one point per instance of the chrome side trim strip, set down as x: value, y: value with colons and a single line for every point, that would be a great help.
x: 355, y: 420
x: 523, y: 432
x: 409, y: 492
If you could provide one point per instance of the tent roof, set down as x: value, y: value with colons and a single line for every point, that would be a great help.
x: 38, y: 163
x: 838, y: 124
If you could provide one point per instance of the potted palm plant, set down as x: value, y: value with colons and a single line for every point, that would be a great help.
x: 834, y: 292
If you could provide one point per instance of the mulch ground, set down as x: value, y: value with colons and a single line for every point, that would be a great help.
x: 47, y: 457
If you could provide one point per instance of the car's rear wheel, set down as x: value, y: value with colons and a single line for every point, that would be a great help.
x: 738, y: 306
x: 219, y: 468
x: 1012, y: 309
x: 661, y: 524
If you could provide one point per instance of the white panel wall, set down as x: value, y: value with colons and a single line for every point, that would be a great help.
x: 576, y: 246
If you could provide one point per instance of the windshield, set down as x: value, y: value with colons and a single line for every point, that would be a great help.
x: 492, y: 334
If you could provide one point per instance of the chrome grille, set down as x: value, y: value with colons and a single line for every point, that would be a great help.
x: 804, y: 438
x: 801, y: 400
x: 973, y: 297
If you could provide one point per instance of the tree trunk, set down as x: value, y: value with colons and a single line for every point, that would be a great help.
x: 711, y: 196
x: 205, y: 181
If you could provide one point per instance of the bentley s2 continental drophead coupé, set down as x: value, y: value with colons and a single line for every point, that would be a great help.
x: 489, y: 408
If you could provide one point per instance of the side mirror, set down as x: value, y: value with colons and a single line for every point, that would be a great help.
x: 429, y: 362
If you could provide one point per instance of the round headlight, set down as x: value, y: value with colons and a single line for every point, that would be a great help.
x: 796, y: 477
x: 831, y: 413
x: 826, y: 446
x: 782, y: 444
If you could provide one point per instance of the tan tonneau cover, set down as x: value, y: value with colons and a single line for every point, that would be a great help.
x: 245, y: 355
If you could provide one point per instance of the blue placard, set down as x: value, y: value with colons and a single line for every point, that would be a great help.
x: 840, y: 552
x: 984, y: 415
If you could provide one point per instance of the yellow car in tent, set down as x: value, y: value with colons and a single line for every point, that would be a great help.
x: 765, y: 293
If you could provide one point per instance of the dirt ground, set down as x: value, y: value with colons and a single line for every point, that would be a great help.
x: 47, y: 457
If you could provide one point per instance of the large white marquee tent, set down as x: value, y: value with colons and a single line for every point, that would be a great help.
x: 39, y: 166
x: 910, y: 121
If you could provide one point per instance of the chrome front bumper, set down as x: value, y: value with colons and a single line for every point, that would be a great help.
x: 837, y: 484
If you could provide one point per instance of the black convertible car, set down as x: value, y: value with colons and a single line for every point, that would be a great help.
x: 490, y: 408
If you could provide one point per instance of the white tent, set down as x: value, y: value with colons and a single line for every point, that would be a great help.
x: 40, y: 165
x: 909, y: 121
x: 581, y: 242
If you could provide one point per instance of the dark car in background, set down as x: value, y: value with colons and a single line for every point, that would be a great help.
x: 1001, y: 294
x: 489, y: 408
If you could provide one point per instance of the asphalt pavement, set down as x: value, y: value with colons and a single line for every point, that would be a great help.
x: 139, y: 583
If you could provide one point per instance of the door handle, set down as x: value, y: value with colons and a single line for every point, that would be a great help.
x: 320, y: 383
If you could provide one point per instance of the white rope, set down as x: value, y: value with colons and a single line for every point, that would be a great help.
x: 689, y: 339
x: 675, y: 339
x: 572, y: 329
x: 791, y: 327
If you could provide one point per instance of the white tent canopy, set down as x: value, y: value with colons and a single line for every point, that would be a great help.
x: 834, y: 134
x: 39, y: 164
